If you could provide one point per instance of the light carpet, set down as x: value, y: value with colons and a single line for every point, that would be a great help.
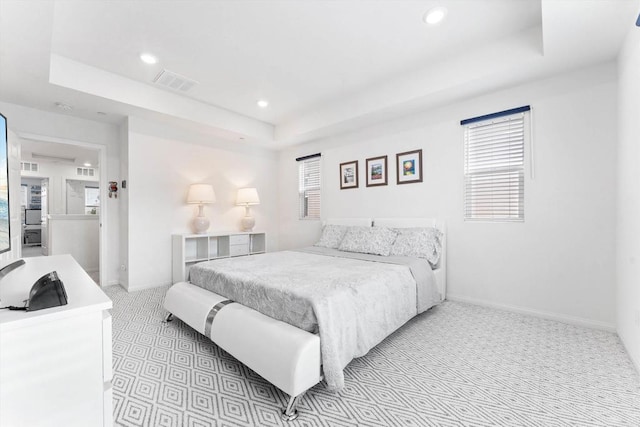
x: 456, y: 365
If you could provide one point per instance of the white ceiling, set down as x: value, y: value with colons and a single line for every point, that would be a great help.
x: 295, y: 54
x: 324, y: 66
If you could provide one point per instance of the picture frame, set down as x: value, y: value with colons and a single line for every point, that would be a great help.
x: 409, y: 167
x: 377, y: 171
x: 349, y: 175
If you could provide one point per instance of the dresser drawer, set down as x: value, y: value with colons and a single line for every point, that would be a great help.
x: 239, y: 239
x: 237, y: 250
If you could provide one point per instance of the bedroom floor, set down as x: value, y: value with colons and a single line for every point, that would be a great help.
x: 456, y: 365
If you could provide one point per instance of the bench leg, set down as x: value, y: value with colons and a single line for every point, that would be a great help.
x: 290, y: 413
x: 169, y: 318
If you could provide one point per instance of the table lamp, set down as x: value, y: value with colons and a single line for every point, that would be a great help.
x: 201, y: 194
x: 247, y: 197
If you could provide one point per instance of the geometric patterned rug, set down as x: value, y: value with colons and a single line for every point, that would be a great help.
x: 455, y: 365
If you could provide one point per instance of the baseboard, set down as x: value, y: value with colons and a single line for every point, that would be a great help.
x: 579, y: 321
x: 636, y: 362
x: 113, y: 283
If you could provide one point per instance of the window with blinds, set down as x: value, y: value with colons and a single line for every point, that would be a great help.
x: 309, y: 187
x: 494, y: 166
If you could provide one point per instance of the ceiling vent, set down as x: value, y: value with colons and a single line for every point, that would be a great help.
x: 174, y: 81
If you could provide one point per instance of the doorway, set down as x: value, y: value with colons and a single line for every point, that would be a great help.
x: 33, y: 192
x: 62, y: 186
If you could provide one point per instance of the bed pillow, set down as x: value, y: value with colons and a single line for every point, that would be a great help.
x: 419, y: 242
x: 332, y: 236
x: 368, y: 240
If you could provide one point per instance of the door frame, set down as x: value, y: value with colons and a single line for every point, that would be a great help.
x: 103, y: 223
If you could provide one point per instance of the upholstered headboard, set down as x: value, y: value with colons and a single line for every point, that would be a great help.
x: 405, y: 222
x: 362, y: 222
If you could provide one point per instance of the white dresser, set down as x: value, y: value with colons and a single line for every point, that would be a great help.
x: 55, y: 364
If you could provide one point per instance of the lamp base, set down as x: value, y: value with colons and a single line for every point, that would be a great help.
x: 247, y: 223
x: 201, y: 224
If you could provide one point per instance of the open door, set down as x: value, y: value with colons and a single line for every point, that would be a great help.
x: 44, y: 209
x: 66, y: 210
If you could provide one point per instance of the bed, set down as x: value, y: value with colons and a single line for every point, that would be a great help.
x: 296, y: 317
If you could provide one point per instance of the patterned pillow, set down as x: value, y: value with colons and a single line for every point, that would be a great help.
x: 332, y: 236
x: 369, y: 240
x: 419, y: 242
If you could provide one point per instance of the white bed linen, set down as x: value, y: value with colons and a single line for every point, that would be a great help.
x: 353, y: 303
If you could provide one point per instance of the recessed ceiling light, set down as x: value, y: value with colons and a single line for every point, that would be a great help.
x: 263, y: 103
x: 88, y: 164
x: 148, y: 58
x: 435, y: 15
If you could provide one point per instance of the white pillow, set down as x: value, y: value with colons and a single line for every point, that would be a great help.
x: 419, y: 242
x: 368, y: 240
x: 332, y: 236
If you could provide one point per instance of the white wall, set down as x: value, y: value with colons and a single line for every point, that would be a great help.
x: 560, y: 261
x: 628, y: 220
x: 32, y: 121
x: 76, y: 235
x: 163, y: 162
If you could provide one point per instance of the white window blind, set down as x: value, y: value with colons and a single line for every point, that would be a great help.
x: 309, y: 188
x: 494, y: 168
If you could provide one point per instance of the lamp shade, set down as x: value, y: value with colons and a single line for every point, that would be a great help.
x: 247, y: 196
x: 201, y: 194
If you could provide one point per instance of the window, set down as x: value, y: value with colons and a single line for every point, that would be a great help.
x: 309, y: 187
x: 85, y: 172
x: 494, y: 166
x: 28, y: 167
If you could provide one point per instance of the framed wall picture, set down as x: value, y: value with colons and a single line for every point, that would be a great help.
x: 409, y: 167
x: 349, y: 175
x: 376, y: 171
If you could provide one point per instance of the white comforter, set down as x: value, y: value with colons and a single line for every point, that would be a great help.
x: 352, y: 303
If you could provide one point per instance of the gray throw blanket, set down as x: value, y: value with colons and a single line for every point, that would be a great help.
x: 352, y: 302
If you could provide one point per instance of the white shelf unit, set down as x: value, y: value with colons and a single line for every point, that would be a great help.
x: 189, y: 249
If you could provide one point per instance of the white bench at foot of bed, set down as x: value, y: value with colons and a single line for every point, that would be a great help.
x: 284, y: 355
